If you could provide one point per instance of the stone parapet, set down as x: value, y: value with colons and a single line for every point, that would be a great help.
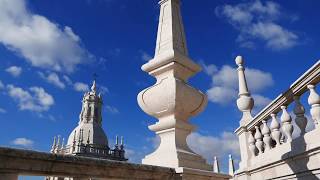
x: 14, y: 162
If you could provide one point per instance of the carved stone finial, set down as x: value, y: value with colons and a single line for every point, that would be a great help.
x: 94, y: 87
x: 231, y: 165
x: 239, y: 61
x: 216, y: 168
x: 245, y: 102
x: 53, y: 145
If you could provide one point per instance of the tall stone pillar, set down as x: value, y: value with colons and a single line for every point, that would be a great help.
x: 171, y: 100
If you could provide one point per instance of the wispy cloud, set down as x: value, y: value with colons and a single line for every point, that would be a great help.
x: 2, y: 111
x: 52, y: 78
x: 112, y: 109
x: 24, y: 142
x: 81, y: 87
x: 145, y: 56
x: 35, y: 99
x: 259, y: 20
x: 41, y: 42
x: 15, y: 71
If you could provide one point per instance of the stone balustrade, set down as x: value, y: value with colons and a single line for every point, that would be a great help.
x: 267, y: 138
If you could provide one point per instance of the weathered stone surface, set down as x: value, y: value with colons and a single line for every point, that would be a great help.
x: 24, y: 162
x: 15, y: 162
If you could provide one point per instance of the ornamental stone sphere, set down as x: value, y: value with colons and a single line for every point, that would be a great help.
x: 239, y: 60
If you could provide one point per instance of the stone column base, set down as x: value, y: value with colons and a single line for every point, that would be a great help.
x: 192, y: 174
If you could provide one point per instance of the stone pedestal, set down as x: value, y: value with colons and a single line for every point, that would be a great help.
x: 171, y: 100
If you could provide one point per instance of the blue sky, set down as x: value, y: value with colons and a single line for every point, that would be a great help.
x: 50, y: 49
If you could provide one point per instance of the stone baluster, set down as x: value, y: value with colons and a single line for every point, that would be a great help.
x: 231, y: 165
x: 286, y: 121
x: 300, y: 119
x: 314, y: 102
x: 245, y: 104
x: 275, y: 128
x: 266, y: 136
x: 252, y: 145
x: 258, y: 137
x: 216, y: 168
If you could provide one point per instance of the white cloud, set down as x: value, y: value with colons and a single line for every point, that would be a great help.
x: 2, y: 111
x: 103, y: 89
x: 81, y: 87
x: 112, y: 109
x: 145, y: 56
x: 15, y: 71
x: 221, y: 95
x: 209, y: 69
x: 41, y: 42
x: 224, y: 88
x: 34, y: 99
x: 67, y: 79
x: 257, y: 20
x: 23, y: 142
x: 208, y: 146
x: 260, y: 101
x: 53, y: 78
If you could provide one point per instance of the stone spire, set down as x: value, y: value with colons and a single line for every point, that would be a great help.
x: 171, y: 100
x: 216, y: 167
x: 171, y: 34
x: 171, y: 42
x: 90, y: 121
x: 231, y: 165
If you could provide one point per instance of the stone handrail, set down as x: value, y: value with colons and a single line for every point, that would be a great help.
x: 259, y: 139
x: 15, y: 162
x: 299, y: 87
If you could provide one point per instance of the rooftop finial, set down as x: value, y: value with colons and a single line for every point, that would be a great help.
x: 94, y: 86
x: 245, y: 102
x: 216, y: 168
x: 231, y: 165
x: 53, y: 145
x: 117, y: 140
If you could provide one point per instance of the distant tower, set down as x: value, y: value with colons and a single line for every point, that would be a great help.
x: 88, y: 138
